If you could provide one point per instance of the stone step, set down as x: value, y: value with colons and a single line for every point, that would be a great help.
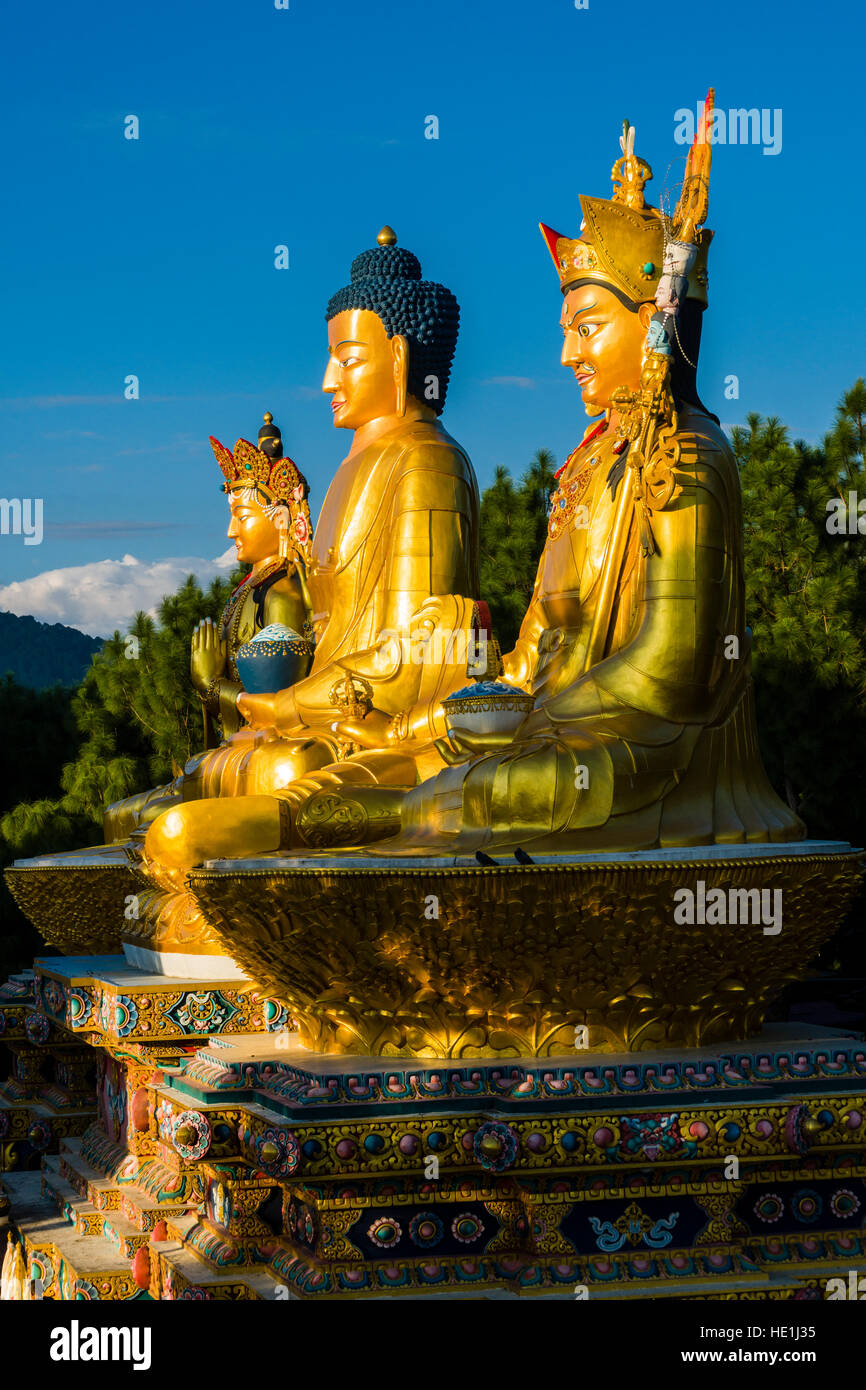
x: 124, y: 1172
x: 182, y: 1269
x: 130, y: 1200
x: 113, y: 1225
x: 90, y: 1184
x: 145, y: 1211
x: 68, y: 1202
x: 94, y: 1269
x: 758, y: 1286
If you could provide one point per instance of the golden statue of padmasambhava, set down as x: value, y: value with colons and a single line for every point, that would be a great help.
x: 634, y: 649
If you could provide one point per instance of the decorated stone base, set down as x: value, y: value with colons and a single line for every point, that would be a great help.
x: 49, y: 1094
x: 226, y: 1163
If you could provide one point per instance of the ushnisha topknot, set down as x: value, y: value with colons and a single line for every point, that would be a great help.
x: 387, y: 281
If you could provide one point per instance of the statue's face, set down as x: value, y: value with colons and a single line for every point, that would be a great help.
x: 364, y: 367
x: 603, y: 343
x: 255, y: 534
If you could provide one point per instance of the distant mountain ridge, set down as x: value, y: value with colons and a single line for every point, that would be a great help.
x: 44, y: 654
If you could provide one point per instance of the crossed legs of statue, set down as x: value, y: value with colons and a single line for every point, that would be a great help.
x: 248, y: 763
x: 353, y: 802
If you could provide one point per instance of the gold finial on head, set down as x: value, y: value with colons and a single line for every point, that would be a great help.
x: 630, y: 172
x: 269, y: 419
x: 387, y: 236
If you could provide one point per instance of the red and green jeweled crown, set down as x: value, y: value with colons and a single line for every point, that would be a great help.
x: 279, y: 481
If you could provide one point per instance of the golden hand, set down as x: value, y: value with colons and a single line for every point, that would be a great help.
x: 259, y: 711
x: 277, y: 711
x: 369, y: 732
x: 301, y: 571
x: 463, y: 744
x: 208, y: 654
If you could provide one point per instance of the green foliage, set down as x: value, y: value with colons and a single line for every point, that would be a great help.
x: 131, y: 724
x: 137, y: 717
x: 512, y: 534
x: 38, y: 730
x: 806, y: 604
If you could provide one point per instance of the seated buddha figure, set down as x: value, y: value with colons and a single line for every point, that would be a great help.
x: 270, y: 526
x: 634, y: 650
x: 394, y: 564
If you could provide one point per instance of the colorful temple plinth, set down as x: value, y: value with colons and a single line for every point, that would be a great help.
x: 213, y: 1157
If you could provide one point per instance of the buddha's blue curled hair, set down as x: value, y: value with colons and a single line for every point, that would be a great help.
x: 387, y: 281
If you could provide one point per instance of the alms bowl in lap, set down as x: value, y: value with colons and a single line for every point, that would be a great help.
x: 607, y: 952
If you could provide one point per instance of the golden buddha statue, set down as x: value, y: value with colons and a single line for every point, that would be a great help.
x: 393, y: 581
x: 634, y: 648
x: 270, y: 526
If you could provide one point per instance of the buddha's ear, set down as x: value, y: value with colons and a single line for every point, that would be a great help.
x: 645, y: 313
x: 400, y: 350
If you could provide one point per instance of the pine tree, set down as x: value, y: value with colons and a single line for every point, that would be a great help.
x: 513, y: 529
x: 805, y: 595
x: 131, y: 724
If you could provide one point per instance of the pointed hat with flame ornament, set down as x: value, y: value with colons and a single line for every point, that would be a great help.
x: 622, y: 241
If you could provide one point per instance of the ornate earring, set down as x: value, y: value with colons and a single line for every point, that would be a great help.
x: 283, y: 547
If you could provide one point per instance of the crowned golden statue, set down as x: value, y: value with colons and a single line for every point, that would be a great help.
x: 270, y: 526
x: 635, y: 647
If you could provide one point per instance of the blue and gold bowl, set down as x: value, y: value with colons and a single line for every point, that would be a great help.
x: 487, y: 707
x: 273, y: 660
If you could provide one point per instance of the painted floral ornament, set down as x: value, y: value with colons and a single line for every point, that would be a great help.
x: 495, y: 1146
x: 37, y: 1028
x: 277, y: 1152
x: 191, y: 1134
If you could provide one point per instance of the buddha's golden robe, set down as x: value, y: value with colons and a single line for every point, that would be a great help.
x: 398, y: 528
x: 655, y: 745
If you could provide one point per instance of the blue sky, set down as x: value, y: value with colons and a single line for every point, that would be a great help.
x: 305, y: 127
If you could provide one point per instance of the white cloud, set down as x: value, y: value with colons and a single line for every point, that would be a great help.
x: 104, y: 595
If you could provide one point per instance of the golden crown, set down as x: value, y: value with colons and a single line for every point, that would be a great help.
x: 280, y: 481
x: 622, y: 242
